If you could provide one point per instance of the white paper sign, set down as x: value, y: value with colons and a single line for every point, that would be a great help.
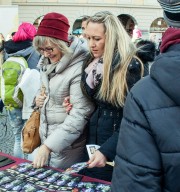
x: 91, y: 149
x: 30, y: 84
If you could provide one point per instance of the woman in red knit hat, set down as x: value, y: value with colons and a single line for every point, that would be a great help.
x: 62, y: 135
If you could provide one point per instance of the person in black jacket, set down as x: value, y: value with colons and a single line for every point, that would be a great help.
x: 110, y: 70
x: 148, y: 150
x: 146, y: 52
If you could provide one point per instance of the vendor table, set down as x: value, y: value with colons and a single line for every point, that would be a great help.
x: 18, y: 161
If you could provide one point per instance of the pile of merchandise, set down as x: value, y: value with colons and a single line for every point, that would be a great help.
x: 25, y: 178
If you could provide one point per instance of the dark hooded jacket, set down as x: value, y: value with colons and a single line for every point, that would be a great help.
x: 148, y: 150
x: 146, y: 52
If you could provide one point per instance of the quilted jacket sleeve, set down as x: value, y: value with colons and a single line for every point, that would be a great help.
x: 72, y: 127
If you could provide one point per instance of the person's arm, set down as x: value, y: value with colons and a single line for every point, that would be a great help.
x: 74, y: 124
x: 138, y: 162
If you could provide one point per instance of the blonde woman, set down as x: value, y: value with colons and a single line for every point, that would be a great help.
x: 110, y: 70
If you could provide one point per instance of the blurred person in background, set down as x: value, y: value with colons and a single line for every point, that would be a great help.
x: 146, y: 49
x: 146, y: 52
x: 21, y: 45
x: 2, y: 40
x: 84, y: 24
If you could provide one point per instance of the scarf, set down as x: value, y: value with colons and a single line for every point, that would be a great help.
x: 12, y: 47
x: 94, y: 72
x: 170, y: 37
x: 47, y: 67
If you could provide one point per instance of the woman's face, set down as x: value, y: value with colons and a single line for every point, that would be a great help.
x: 96, y: 38
x: 51, y: 51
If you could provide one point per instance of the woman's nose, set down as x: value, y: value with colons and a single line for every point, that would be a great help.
x: 91, y: 43
x: 46, y: 54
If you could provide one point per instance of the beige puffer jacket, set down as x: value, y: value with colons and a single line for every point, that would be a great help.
x: 61, y: 132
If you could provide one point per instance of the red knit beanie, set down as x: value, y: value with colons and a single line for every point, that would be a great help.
x: 26, y: 31
x: 54, y: 25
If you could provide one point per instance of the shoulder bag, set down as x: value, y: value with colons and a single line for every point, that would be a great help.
x: 30, y: 133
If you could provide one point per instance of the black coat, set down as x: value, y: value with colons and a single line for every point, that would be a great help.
x: 148, y: 150
x: 104, y: 123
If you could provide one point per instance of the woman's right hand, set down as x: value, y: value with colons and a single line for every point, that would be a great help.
x: 41, y: 157
x: 67, y: 105
x: 40, y: 100
x: 97, y: 160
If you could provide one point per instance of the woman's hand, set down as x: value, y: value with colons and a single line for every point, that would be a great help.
x: 97, y: 160
x: 67, y: 105
x: 41, y: 157
x: 40, y: 100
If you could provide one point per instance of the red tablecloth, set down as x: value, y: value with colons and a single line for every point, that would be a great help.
x: 18, y: 161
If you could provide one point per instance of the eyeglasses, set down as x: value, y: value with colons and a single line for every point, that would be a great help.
x: 47, y: 50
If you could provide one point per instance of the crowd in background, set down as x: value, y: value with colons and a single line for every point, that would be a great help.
x: 104, y: 88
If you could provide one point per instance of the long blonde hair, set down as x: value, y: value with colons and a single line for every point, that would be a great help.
x: 114, y: 88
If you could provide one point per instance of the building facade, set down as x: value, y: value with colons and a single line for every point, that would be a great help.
x: 146, y: 14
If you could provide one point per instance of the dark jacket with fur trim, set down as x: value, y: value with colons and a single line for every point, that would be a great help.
x: 146, y: 52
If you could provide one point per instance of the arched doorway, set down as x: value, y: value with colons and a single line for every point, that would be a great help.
x: 157, y: 29
x: 128, y: 22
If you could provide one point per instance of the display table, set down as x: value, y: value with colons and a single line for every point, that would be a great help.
x: 18, y: 161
